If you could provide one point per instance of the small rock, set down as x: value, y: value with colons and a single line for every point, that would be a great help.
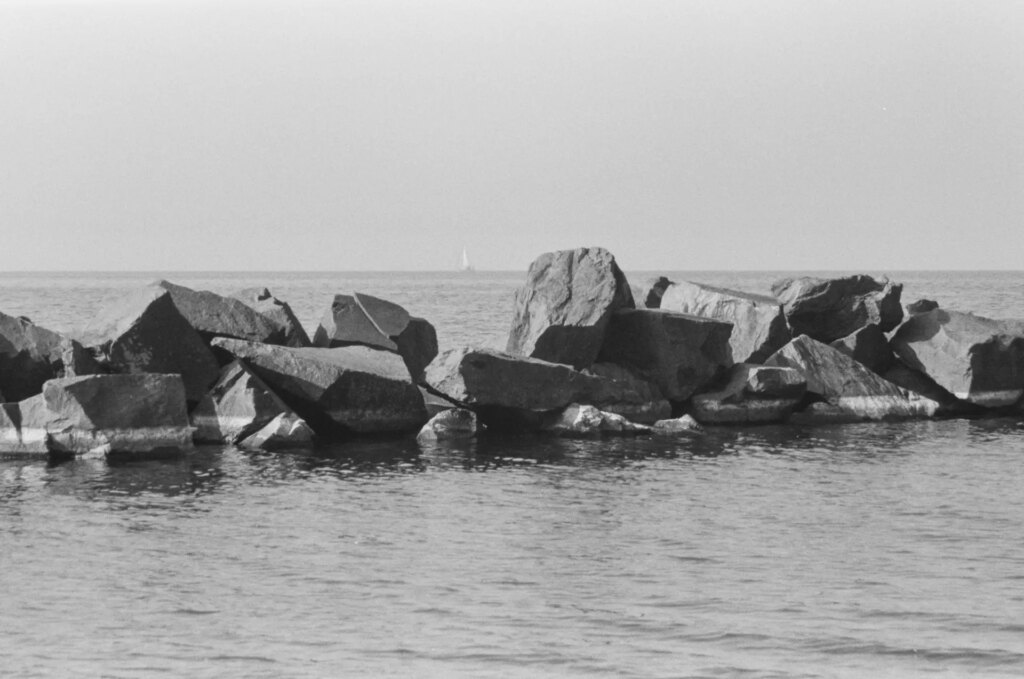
x: 448, y: 425
x: 586, y: 420
x: 921, y: 306
x: 680, y: 425
x: 287, y: 430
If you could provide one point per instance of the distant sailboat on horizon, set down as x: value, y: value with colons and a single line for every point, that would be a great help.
x: 465, y: 265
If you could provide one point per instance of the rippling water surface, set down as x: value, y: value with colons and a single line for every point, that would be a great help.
x: 844, y: 551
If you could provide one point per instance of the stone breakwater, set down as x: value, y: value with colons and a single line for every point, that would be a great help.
x: 588, y: 354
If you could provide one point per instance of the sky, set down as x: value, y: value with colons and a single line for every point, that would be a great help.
x: 389, y: 134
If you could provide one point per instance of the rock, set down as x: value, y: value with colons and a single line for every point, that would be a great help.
x: 854, y: 390
x: 586, y: 420
x: 917, y: 382
x: 677, y: 352
x: 337, y: 391
x: 681, y: 425
x: 346, y: 323
x: 287, y: 430
x: 977, y: 359
x: 417, y: 345
x: 868, y: 346
x: 144, y: 332
x: 827, y: 309
x: 388, y: 317
x: 921, y: 306
x: 238, y: 406
x: 753, y: 395
x: 648, y: 294
x: 78, y: 361
x: 449, y: 425
x: 563, y: 309
x: 759, y: 325
x: 29, y: 355
x: 514, y: 391
x: 277, y: 312
x: 139, y: 415
x: 214, y: 315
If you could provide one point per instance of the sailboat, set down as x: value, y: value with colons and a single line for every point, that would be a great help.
x: 464, y: 265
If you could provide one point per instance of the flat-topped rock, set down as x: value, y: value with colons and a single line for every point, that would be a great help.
x: 678, y: 352
x: 852, y: 389
x: 759, y: 324
x: 277, y: 312
x: 214, y: 315
x: 827, y: 309
x: 337, y: 391
x: 561, y: 312
x: 979, y: 360
x: 144, y: 332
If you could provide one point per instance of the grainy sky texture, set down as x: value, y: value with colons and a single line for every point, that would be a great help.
x: 383, y: 135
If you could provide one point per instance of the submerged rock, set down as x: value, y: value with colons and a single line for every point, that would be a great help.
x: 563, y: 309
x: 239, y: 405
x: 759, y: 325
x: 827, y: 309
x: 977, y: 359
x: 284, y: 431
x: 214, y: 315
x: 337, y: 391
x: 855, y: 392
x: 139, y: 415
x: 277, y: 312
x: 677, y: 352
x: 143, y: 332
x: 586, y: 420
x: 680, y: 425
x: 449, y: 425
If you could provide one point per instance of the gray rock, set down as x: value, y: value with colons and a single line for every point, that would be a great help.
x: 237, y: 406
x: 29, y: 355
x: 976, y: 359
x: 214, y: 315
x: 680, y: 425
x: 346, y: 322
x: 827, y: 309
x: 759, y: 325
x: 277, y: 312
x: 337, y: 391
x: 648, y: 294
x: 764, y: 381
x: 622, y: 392
x: 143, y: 332
x: 287, y: 430
x: 449, y: 425
x: 563, y: 309
x: 139, y: 415
x: 847, y: 385
x: 753, y: 395
x: 578, y: 420
x: 921, y: 306
x: 77, y: 360
x: 868, y: 346
x: 417, y: 345
x: 679, y: 353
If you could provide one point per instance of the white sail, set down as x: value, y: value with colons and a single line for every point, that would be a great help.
x: 465, y: 265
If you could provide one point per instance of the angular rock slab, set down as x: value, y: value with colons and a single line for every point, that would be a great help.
x: 237, y: 406
x: 29, y: 355
x: 579, y: 420
x: 754, y: 394
x: 340, y: 390
x: 454, y: 424
x: 561, y: 312
x: 868, y: 346
x: 759, y: 325
x: 346, y: 323
x: 214, y: 315
x: 140, y: 414
x: 144, y: 332
x: 852, y: 389
x: 679, y: 353
x: 648, y: 294
x: 485, y: 378
x: 827, y: 309
x: 277, y: 312
x: 287, y: 430
x: 977, y: 359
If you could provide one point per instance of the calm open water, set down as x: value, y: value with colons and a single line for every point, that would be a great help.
x: 870, y: 550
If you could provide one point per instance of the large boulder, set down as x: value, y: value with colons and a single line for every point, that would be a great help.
x: 977, y: 359
x: 29, y: 355
x: 239, y: 405
x: 759, y: 325
x: 277, y: 312
x: 852, y: 391
x: 510, y: 390
x: 754, y: 394
x: 214, y: 315
x: 827, y: 309
x: 144, y: 332
x: 582, y: 421
x: 868, y: 346
x: 562, y: 311
x: 678, y: 352
x: 138, y: 415
x: 337, y: 391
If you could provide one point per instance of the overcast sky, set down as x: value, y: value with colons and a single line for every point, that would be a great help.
x: 386, y: 135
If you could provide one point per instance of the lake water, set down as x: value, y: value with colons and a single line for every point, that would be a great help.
x: 868, y: 550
